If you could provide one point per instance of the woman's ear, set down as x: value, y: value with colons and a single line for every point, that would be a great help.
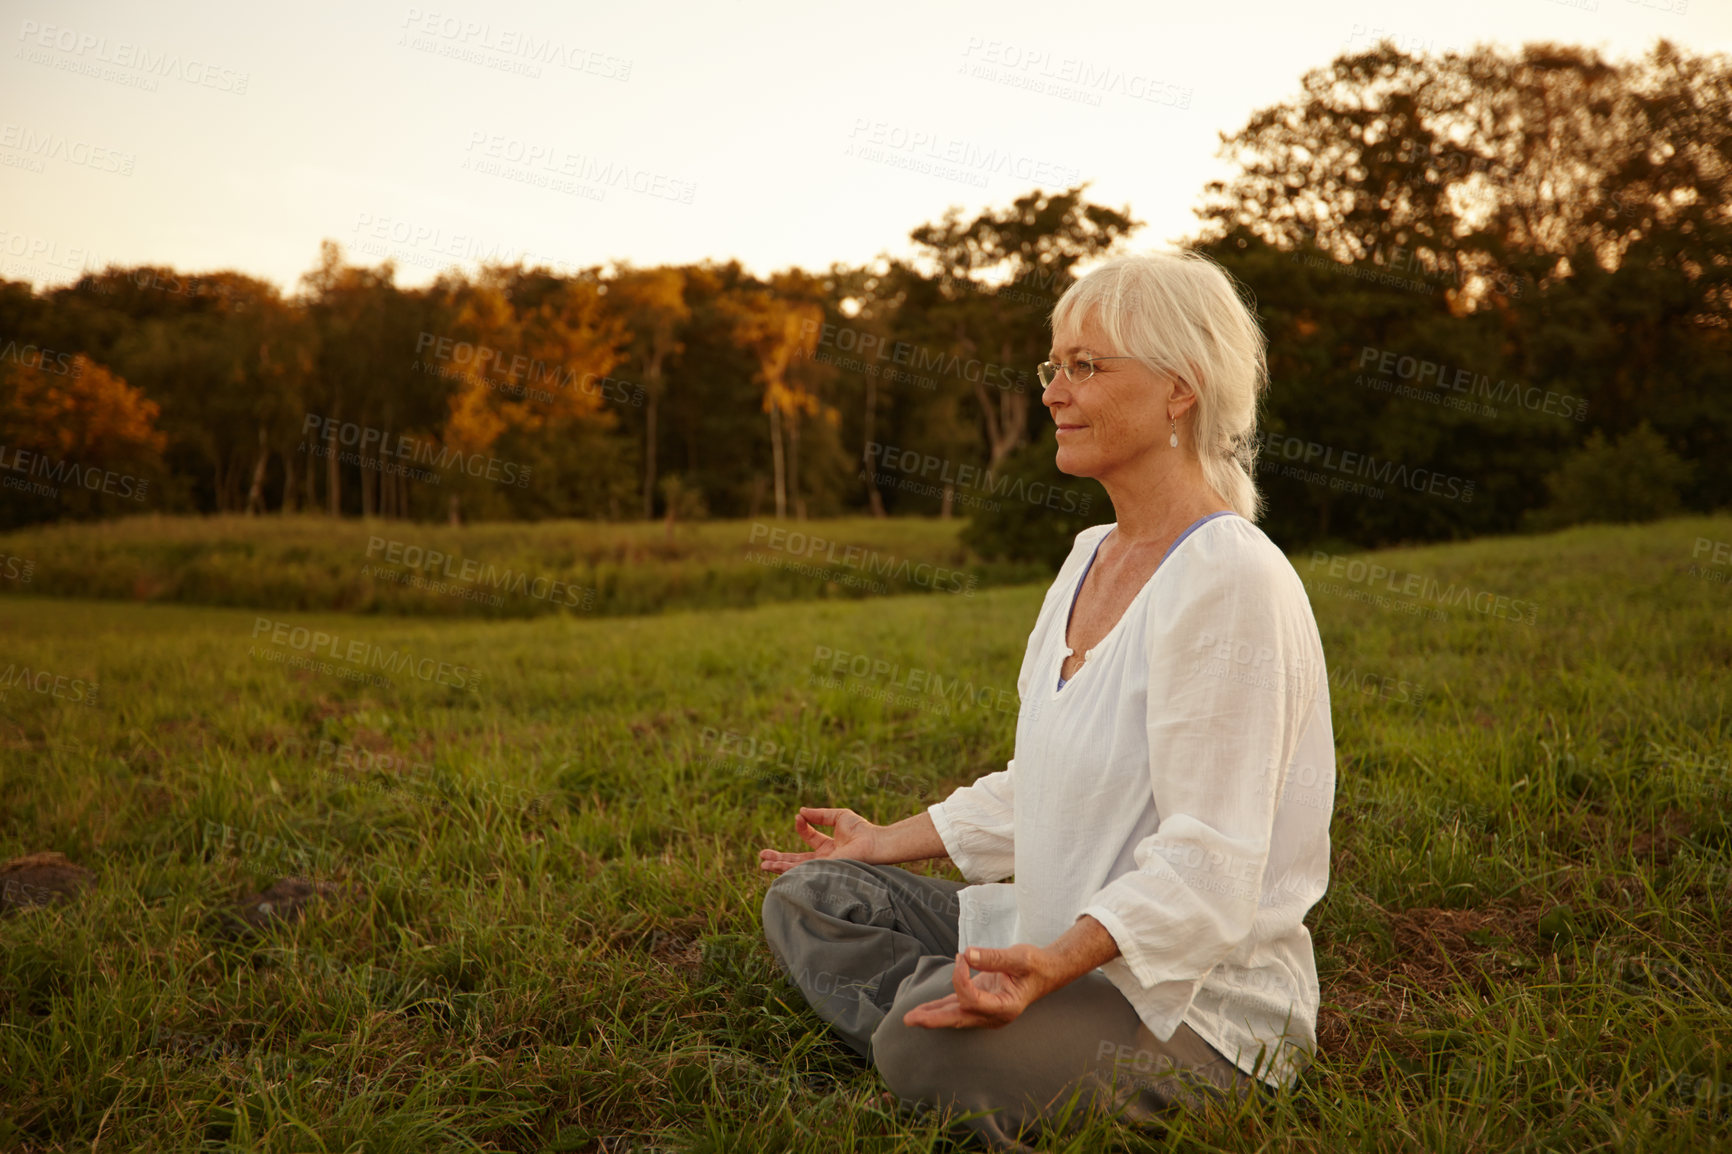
x: 1181, y: 399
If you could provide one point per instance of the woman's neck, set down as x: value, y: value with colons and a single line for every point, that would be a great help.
x: 1156, y: 507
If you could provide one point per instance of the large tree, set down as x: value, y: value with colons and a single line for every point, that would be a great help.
x: 78, y: 440
x: 1542, y: 218
x: 652, y: 304
x: 536, y: 392
x: 370, y: 371
x: 780, y: 325
x: 996, y: 278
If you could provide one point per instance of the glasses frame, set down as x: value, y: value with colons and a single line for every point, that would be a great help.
x: 1069, y: 369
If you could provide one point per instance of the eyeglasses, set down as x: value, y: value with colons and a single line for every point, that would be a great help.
x: 1078, y: 371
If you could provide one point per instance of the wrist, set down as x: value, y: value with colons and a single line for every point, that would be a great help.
x: 1055, y: 971
x: 876, y: 846
x: 1086, y: 946
x: 911, y: 839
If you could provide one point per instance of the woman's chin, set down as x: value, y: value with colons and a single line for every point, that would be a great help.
x: 1072, y: 462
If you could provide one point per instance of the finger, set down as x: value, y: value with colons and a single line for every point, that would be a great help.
x: 932, y: 1015
x: 969, y: 1005
x: 984, y: 998
x: 960, y: 977
x: 811, y: 836
x: 950, y: 1017
x: 998, y: 961
x: 820, y: 815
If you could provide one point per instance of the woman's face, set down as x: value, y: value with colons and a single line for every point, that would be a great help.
x: 1114, y: 419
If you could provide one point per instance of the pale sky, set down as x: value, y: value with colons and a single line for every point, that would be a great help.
x: 237, y: 136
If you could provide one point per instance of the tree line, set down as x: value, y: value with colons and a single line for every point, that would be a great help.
x: 1496, y: 287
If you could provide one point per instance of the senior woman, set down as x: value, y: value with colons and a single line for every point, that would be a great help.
x: 1165, y: 813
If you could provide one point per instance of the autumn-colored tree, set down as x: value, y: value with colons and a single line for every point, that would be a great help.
x: 78, y: 438
x: 864, y: 302
x: 778, y: 330
x: 223, y: 354
x: 535, y: 386
x: 652, y: 303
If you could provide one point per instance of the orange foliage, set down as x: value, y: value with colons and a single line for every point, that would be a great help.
x: 538, y: 366
x: 72, y: 408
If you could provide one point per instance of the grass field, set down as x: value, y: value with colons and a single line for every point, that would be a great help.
x: 540, y: 929
x: 505, y: 570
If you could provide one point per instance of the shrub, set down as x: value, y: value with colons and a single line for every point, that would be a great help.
x: 1637, y: 478
x: 1035, y: 511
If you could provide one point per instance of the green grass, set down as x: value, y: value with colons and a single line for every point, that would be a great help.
x: 566, y: 567
x: 551, y: 939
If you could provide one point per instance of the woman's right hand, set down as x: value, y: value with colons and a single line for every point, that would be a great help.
x: 853, y: 838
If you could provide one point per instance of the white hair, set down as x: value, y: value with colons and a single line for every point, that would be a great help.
x: 1183, y: 315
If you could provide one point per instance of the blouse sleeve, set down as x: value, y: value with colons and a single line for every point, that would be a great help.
x: 1233, y: 678
x: 976, y: 823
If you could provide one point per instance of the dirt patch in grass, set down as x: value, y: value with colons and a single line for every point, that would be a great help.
x: 40, y: 879
x: 1660, y: 843
x: 1435, y: 950
x: 286, y: 900
x: 678, y: 946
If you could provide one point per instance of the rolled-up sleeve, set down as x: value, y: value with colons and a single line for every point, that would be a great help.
x: 1232, y: 681
x: 977, y: 823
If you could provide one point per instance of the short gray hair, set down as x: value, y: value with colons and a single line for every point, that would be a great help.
x: 1183, y: 315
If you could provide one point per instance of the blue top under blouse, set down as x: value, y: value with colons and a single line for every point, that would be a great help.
x: 1192, y: 528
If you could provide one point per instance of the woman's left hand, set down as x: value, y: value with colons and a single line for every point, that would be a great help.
x: 1013, y: 979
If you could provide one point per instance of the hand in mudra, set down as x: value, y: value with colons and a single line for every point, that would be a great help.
x: 853, y: 837
x: 1010, y: 981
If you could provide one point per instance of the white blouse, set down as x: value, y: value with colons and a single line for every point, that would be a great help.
x: 1178, y: 790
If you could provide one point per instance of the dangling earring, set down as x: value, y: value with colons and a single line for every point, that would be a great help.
x: 1174, y: 439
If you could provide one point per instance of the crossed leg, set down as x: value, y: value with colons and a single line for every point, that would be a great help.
x: 867, y: 943
x: 1078, y: 1051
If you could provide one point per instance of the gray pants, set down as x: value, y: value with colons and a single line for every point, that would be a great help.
x: 867, y: 943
